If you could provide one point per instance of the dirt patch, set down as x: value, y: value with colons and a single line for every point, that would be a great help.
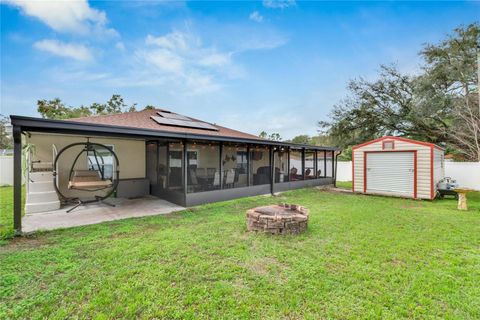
x: 264, y: 266
x: 397, y: 262
x: 26, y: 242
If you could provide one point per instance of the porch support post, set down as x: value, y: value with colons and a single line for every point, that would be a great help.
x: 272, y: 171
x: 17, y: 179
x: 315, y: 164
x: 249, y: 163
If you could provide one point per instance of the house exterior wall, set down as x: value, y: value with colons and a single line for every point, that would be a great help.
x: 131, y: 155
x: 423, y: 164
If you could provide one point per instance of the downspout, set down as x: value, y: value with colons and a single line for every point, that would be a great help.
x: 335, y: 174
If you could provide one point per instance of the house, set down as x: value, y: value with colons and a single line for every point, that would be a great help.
x: 160, y: 153
x: 397, y: 166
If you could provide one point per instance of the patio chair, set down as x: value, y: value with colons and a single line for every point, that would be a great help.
x: 230, y: 178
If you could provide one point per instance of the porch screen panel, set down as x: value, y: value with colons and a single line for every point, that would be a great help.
x: 152, y: 163
x: 235, y: 166
x: 203, y: 167
x: 320, y: 164
x: 309, y: 164
x: 175, y: 166
x: 295, y: 165
x: 260, y: 166
x: 329, y: 161
x: 281, y: 166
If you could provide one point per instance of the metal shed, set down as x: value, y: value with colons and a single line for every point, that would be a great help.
x: 397, y: 166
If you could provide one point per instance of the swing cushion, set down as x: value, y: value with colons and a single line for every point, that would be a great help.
x: 88, y: 179
x: 86, y: 173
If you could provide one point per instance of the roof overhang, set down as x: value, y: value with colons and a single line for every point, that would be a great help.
x: 31, y: 124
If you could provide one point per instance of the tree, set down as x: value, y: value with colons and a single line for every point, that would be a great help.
x: 440, y: 105
x: 301, y: 139
x: 5, y: 139
x: 56, y: 109
x: 272, y: 136
x: 451, y: 80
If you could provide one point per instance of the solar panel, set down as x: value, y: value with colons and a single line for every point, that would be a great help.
x: 170, y: 115
x: 184, y: 123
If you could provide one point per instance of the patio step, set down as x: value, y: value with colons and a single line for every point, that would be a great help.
x: 41, y: 186
x: 41, y: 207
x: 41, y: 176
x: 41, y: 197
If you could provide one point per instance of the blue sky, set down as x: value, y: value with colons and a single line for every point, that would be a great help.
x: 277, y: 66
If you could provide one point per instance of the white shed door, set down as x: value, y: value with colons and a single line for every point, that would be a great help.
x: 391, y: 172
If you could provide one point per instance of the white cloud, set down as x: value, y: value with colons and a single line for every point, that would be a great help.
x: 175, y: 41
x: 215, y: 59
x: 182, y: 59
x: 71, y: 50
x: 66, y: 16
x: 255, y: 16
x: 120, y: 46
x: 164, y: 60
x: 279, y: 4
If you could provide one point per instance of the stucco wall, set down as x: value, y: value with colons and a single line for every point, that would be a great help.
x: 423, y: 165
x: 131, y: 155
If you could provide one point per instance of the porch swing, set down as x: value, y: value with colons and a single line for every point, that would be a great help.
x: 91, y: 180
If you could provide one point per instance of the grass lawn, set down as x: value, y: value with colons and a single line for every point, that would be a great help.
x: 344, y: 185
x: 6, y: 211
x: 362, y: 257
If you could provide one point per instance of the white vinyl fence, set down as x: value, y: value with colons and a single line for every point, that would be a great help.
x: 467, y: 174
x: 6, y: 170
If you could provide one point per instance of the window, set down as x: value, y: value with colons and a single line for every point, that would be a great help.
x: 102, y: 161
x: 260, y: 166
x: 310, y: 165
x: 203, y: 167
x: 296, y: 165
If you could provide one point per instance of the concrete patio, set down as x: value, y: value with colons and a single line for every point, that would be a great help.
x: 97, y: 213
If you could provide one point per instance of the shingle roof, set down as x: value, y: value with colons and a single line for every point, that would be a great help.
x: 142, y: 119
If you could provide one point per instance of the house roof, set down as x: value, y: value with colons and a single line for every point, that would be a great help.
x: 427, y: 144
x: 143, y: 119
x: 139, y: 124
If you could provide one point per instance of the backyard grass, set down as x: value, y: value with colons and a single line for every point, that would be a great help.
x: 6, y: 212
x: 362, y: 257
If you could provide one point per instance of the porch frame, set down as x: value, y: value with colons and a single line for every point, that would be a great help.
x: 28, y: 124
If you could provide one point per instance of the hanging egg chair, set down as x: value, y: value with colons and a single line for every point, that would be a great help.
x: 94, y: 179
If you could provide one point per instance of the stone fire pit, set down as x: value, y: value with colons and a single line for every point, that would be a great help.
x: 278, y: 219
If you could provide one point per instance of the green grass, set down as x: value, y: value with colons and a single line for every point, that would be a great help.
x: 344, y: 185
x: 6, y: 211
x: 362, y: 257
